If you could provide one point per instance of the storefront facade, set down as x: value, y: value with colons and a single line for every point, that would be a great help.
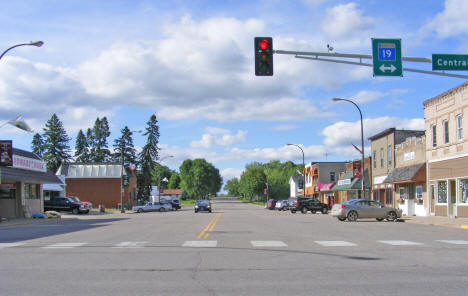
x: 348, y: 187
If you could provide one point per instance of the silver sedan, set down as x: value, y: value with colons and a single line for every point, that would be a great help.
x: 363, y: 209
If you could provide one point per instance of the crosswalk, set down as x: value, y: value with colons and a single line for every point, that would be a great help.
x: 214, y: 243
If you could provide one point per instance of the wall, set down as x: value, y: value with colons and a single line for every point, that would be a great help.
x: 100, y: 191
x: 386, y: 169
x: 414, y: 146
x: 451, y: 168
x: 8, y: 208
x: 325, y: 169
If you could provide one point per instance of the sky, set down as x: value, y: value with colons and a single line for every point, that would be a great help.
x: 192, y: 64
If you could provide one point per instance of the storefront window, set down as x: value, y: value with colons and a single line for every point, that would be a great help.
x: 403, y: 193
x: 419, y: 192
x: 388, y: 196
x: 31, y: 191
x: 7, y: 192
x: 463, y: 191
x: 353, y: 194
x: 442, y: 192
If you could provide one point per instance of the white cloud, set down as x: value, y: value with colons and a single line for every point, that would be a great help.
x: 216, y: 130
x: 366, y: 96
x: 208, y: 140
x: 451, y: 22
x: 285, y: 127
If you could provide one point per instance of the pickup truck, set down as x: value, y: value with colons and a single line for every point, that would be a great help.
x: 65, y: 204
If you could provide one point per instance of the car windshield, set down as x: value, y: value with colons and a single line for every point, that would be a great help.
x: 203, y: 202
x: 71, y: 199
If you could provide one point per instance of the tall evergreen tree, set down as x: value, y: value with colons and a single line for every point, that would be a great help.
x: 56, y: 149
x: 129, y: 151
x: 98, y: 141
x: 37, y: 144
x: 147, y: 158
x: 81, y: 148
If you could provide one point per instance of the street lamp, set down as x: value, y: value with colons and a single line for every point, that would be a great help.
x: 303, y: 164
x: 362, y: 141
x: 37, y: 44
x: 122, y: 148
x: 159, y: 177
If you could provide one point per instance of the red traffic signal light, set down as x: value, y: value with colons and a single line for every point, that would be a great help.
x: 263, y: 56
x: 264, y: 44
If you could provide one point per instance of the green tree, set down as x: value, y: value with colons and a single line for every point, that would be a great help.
x: 98, y: 141
x: 56, y: 149
x: 174, y: 181
x: 37, y: 144
x: 199, y: 178
x: 160, y: 172
x: 81, y: 148
x: 252, y: 183
x: 147, y: 158
x: 232, y: 187
x: 129, y: 151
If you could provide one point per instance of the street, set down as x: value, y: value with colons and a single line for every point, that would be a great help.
x: 239, y: 249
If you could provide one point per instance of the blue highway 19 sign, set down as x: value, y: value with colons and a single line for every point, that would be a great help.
x: 386, y: 57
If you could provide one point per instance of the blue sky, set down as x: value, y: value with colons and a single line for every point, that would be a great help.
x: 191, y: 64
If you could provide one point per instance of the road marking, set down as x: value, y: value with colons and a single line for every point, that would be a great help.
x: 130, y: 245
x: 209, y: 228
x: 400, y: 243
x: 268, y: 244
x: 10, y: 245
x: 454, y: 242
x: 64, y: 245
x: 200, y: 244
x: 335, y: 244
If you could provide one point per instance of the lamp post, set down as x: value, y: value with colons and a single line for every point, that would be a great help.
x: 303, y: 164
x: 37, y: 44
x: 159, y: 179
x: 362, y: 141
x: 122, y: 148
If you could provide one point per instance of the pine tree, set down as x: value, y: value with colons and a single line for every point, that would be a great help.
x: 56, y: 149
x: 98, y: 141
x: 129, y: 151
x: 147, y: 158
x: 81, y: 148
x: 37, y: 145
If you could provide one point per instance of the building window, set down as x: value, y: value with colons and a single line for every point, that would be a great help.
x: 463, y: 192
x: 403, y: 193
x: 332, y: 176
x: 446, y: 132
x: 442, y: 192
x: 381, y: 157
x: 419, y: 192
x: 389, y: 155
x: 375, y: 159
x: 30, y: 191
x: 459, y: 127
x: 7, y: 191
x: 434, y: 135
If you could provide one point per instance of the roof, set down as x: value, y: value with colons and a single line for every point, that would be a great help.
x: 382, y: 134
x: 52, y: 187
x: 447, y: 93
x: 325, y: 187
x: 24, y: 153
x: 354, y: 184
x: 407, y: 173
x: 16, y: 174
x: 172, y: 191
x: 295, y: 179
x: 91, y: 170
x: 399, y: 133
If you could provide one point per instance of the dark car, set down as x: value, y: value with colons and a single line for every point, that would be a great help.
x: 203, y: 205
x: 308, y: 204
x: 64, y: 204
x: 174, y: 203
x: 271, y: 203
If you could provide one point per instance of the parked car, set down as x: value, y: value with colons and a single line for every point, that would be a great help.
x: 64, y: 204
x: 152, y: 207
x: 174, y: 203
x: 363, y: 209
x: 87, y: 204
x: 308, y: 204
x: 203, y: 205
x: 281, y: 205
x: 271, y: 203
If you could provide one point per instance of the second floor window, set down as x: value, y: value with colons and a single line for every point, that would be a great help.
x: 332, y: 176
x: 434, y: 135
x: 446, y: 132
x: 382, y: 157
x: 459, y: 127
x: 375, y: 159
x: 389, y: 155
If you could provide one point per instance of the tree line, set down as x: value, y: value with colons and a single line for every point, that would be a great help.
x: 257, y: 177
x: 198, y: 178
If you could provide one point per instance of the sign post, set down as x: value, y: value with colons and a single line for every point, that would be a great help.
x: 386, y: 57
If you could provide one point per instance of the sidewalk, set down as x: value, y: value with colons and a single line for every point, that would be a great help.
x: 437, y: 221
x: 65, y: 217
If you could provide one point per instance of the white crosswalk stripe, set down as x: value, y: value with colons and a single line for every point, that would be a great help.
x: 454, y: 242
x: 130, y: 245
x: 64, y: 245
x: 335, y: 244
x: 10, y: 245
x: 268, y: 244
x: 200, y: 244
x: 400, y: 243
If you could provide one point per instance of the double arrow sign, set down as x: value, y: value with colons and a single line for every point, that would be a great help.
x: 392, y: 68
x: 386, y: 56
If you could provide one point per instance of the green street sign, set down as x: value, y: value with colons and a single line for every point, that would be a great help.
x: 386, y: 57
x: 455, y: 62
x: 125, y: 180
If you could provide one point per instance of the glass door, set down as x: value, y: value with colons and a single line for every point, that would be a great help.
x: 452, y: 200
x: 432, y: 199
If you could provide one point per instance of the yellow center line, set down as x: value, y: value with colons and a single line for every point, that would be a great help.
x: 210, y: 226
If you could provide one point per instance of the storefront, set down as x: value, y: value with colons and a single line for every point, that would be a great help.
x: 327, y: 196
x: 349, y: 187
x: 21, y: 185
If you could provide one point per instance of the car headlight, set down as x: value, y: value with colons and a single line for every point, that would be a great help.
x: 196, y: 207
x: 81, y: 206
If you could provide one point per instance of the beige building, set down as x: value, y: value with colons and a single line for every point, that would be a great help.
x: 409, y: 177
x: 447, y: 152
x: 383, y: 161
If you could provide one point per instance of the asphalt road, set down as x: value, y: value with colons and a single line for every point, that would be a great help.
x: 239, y: 249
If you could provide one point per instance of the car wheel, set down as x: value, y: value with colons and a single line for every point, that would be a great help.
x: 196, y: 211
x: 392, y: 216
x: 342, y: 218
x: 140, y: 211
x: 379, y: 219
x: 293, y: 212
x: 313, y: 212
x: 352, y: 216
x: 324, y: 211
x: 210, y: 211
x: 304, y: 210
x: 75, y: 211
x: 162, y: 209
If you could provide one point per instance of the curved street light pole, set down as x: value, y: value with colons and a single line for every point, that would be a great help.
x: 362, y: 142
x: 303, y: 164
x: 37, y: 43
x: 159, y: 175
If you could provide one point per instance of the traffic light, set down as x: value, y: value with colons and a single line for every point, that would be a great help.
x: 263, y: 56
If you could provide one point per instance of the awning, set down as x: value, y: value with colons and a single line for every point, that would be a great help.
x: 412, y: 173
x: 347, y: 182
x: 325, y: 187
x: 52, y: 187
x: 9, y: 174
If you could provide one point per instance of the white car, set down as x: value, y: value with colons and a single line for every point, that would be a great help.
x: 152, y: 207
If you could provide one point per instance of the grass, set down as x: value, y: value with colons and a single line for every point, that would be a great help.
x: 258, y: 203
x: 187, y: 202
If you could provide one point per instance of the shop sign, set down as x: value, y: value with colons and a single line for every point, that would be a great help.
x: 344, y: 182
x: 8, y: 185
x: 29, y: 164
x: 409, y: 156
x: 357, y: 169
x: 379, y: 180
x: 6, y: 153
